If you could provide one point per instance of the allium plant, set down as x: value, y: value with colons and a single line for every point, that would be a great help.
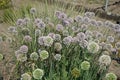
x: 69, y: 50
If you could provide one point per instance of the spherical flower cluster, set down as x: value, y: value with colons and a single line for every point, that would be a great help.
x: 41, y: 40
x: 58, y: 46
x: 37, y: 32
x: 86, y: 20
x: 104, y: 60
x: 65, y: 33
x: 110, y: 39
x: 1, y: 57
x: 110, y: 76
x: 38, y: 73
x: 52, y: 35
x: 57, y: 37
x: 108, y: 47
x: 37, y: 20
x: 93, y: 22
x: 27, y: 38
x: 19, y: 22
x: 84, y: 27
x: 75, y: 72
x: 85, y: 65
x: 117, y: 45
x: 33, y: 10
x: 26, y: 76
x: 12, y: 29
x: 59, y: 27
x: 99, y: 23
x: 41, y: 25
x: 81, y: 36
x: 26, y: 20
x: 34, y: 56
x: 83, y: 43
x: 93, y: 47
x: 79, y: 18
x: 89, y: 14
x: 58, y: 57
x: 24, y: 49
x: 44, y: 54
x: 67, y: 40
x: 48, y: 41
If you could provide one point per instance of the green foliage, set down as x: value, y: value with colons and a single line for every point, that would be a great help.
x: 4, y: 4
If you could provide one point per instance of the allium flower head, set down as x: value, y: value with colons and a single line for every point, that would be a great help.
x: 44, y: 54
x: 86, y: 20
x: 93, y: 22
x: 83, y: 43
x: 38, y: 73
x: 24, y: 49
x: 58, y: 57
x: 70, y: 20
x: 41, y: 25
x: 34, y: 56
x: 65, y: 22
x: 75, y: 29
x: 41, y: 40
x: 26, y: 76
x: 111, y: 76
x: 52, y: 35
x: 33, y: 10
x: 117, y: 45
x: 110, y: 39
x: 12, y: 29
x: 37, y: 20
x: 85, y: 65
x: 99, y: 23
x: 81, y: 36
x: 1, y: 57
x: 58, y: 46
x: 89, y: 14
x: 84, y: 27
x: 19, y: 22
x: 48, y: 41
x: 75, y: 72
x: 57, y: 37
x: 79, y: 18
x: 108, y: 47
x: 65, y: 33
x: 27, y: 38
x: 104, y: 60
x: 57, y: 13
x: 62, y: 16
x: 93, y: 47
x: 59, y: 27
x: 67, y: 40
x: 37, y: 32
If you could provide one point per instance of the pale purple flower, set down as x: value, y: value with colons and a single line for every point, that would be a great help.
x: 84, y: 27
x: 81, y: 36
x: 57, y: 13
x: 98, y: 35
x: 86, y: 20
x: 83, y: 43
x: 110, y: 39
x: 37, y: 20
x: 65, y: 33
x: 62, y: 16
x: 41, y: 25
x: 33, y: 10
x: 27, y: 38
x: 57, y: 37
x: 52, y: 35
x: 19, y: 22
x: 26, y: 20
x: 59, y: 27
x: 93, y: 22
x: 117, y: 45
x: 24, y: 49
x: 99, y: 23
x: 37, y: 32
x: 12, y: 29
x: 79, y: 18
x: 65, y: 22
x: 57, y: 46
x: 67, y: 40
x: 89, y: 14
x: 75, y: 29
x: 70, y: 20
x: 41, y: 40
